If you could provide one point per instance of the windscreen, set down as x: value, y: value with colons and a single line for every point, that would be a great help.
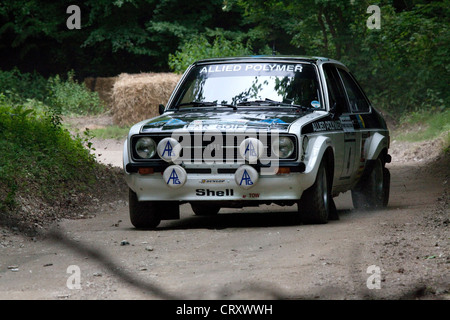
x: 243, y: 83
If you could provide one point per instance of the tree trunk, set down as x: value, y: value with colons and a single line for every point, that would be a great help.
x: 324, y: 30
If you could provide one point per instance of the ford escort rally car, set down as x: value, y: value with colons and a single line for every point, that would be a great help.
x: 248, y: 131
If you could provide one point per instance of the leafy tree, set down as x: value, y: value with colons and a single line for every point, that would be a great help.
x: 115, y: 36
x: 199, y: 47
x: 407, y: 59
x: 403, y: 65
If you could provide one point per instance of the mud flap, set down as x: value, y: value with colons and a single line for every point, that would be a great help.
x: 333, y: 215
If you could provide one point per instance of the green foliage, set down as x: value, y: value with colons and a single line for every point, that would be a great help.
x: 39, y: 158
x: 64, y: 97
x: 136, y: 35
x: 404, y: 66
x: 110, y: 132
x: 431, y: 124
x: 406, y: 63
x: 198, y: 47
x: 70, y: 97
x: 19, y: 87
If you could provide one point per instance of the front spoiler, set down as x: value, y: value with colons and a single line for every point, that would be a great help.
x: 219, y: 187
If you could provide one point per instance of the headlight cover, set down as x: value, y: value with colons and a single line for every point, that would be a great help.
x: 145, y: 148
x: 283, y: 147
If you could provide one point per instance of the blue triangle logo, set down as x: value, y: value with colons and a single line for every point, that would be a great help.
x: 174, y: 178
x: 168, y: 148
x: 246, y: 179
x: 250, y: 149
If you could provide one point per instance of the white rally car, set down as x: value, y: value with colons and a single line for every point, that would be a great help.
x: 247, y: 131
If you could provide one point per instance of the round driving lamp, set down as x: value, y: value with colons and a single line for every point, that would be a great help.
x: 145, y: 148
x: 283, y: 147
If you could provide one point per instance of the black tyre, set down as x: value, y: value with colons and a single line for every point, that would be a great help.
x: 386, y: 186
x: 144, y: 214
x: 316, y: 202
x: 204, y: 209
x: 372, y: 192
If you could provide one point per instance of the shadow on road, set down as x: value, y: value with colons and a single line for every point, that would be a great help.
x: 249, y: 219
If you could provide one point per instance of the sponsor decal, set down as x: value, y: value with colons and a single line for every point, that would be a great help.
x: 315, y: 104
x: 212, y: 181
x: 250, y: 150
x: 246, y: 179
x: 229, y: 68
x: 347, y: 124
x: 251, y: 196
x: 246, y: 176
x: 217, y: 125
x: 169, y: 149
x: 360, y: 121
x: 175, y: 176
x: 170, y: 122
x: 326, y: 126
x: 270, y: 122
x: 214, y: 193
x: 230, y: 126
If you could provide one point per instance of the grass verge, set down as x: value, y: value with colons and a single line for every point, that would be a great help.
x: 45, y: 172
x: 425, y: 125
x: 111, y: 132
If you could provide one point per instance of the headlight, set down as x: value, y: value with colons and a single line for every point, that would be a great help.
x: 145, y: 147
x: 283, y: 147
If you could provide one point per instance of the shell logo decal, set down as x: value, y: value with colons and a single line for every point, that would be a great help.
x: 246, y: 177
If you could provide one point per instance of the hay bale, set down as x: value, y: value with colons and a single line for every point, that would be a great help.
x: 103, y: 86
x: 136, y: 97
x: 90, y: 83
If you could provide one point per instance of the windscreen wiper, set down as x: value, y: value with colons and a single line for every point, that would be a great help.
x: 269, y: 102
x: 253, y: 103
x: 205, y: 104
x: 292, y: 105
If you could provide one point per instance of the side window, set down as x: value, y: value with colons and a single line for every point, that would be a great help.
x: 357, y: 100
x: 336, y: 94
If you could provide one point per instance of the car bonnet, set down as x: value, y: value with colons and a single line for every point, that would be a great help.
x: 223, y: 120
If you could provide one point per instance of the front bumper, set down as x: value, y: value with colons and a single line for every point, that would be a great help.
x: 219, y: 187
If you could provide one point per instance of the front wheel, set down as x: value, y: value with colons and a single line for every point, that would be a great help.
x: 316, y: 202
x: 143, y: 214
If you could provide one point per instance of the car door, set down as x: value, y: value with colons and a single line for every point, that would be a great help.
x: 345, y: 150
x: 359, y: 105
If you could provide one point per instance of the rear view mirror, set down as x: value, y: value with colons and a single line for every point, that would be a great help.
x: 161, y: 109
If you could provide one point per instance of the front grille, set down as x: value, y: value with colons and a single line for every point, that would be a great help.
x: 209, y: 147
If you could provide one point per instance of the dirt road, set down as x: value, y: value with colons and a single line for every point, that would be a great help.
x: 256, y: 253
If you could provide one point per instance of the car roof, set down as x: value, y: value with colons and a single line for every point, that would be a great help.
x: 266, y: 58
